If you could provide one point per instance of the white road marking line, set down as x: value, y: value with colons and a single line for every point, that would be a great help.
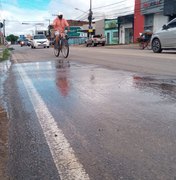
x: 68, y: 166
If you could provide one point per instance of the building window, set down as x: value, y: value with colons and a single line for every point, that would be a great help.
x: 149, y: 22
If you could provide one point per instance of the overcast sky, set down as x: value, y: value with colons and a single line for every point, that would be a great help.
x: 18, y: 12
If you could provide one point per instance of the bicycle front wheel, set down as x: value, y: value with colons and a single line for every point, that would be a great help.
x: 149, y: 46
x: 65, y: 48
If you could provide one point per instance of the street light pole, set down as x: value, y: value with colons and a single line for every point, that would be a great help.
x: 48, y: 27
x: 4, y: 27
x: 90, y: 28
x: 4, y: 35
x: 34, y: 24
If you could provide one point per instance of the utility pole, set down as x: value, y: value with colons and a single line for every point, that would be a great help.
x: 90, y: 18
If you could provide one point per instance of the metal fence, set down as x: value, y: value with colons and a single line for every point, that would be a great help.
x: 77, y: 40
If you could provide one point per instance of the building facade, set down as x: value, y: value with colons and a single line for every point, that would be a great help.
x: 111, y: 31
x: 116, y: 31
x: 153, y: 12
x: 126, y: 28
x: 152, y: 15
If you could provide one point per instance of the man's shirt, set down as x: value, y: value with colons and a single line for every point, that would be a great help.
x: 60, y: 24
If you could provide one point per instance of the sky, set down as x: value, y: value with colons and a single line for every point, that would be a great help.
x: 25, y: 16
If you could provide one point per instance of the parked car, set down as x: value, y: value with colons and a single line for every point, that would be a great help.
x: 39, y: 40
x: 95, y: 40
x: 165, y: 38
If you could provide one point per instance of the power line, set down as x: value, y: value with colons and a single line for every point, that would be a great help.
x: 110, y: 4
x: 82, y: 15
x: 113, y: 13
x: 110, y: 8
x: 117, y: 9
x: 113, y: 7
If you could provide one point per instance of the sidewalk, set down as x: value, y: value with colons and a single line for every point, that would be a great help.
x: 123, y: 46
x: 114, y: 46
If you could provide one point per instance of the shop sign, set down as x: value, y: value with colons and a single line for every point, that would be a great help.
x: 151, y: 6
x: 90, y: 30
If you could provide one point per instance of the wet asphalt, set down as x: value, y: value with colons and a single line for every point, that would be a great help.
x: 120, y: 124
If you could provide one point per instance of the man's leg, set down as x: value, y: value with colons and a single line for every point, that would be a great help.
x: 57, y: 39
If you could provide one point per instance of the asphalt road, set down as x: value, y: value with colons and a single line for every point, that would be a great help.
x: 108, y: 114
x: 116, y: 57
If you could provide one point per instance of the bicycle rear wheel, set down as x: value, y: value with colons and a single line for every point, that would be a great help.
x: 65, y: 48
x: 56, y: 51
x: 141, y: 45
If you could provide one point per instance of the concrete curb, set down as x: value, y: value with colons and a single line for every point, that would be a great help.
x: 123, y: 46
x: 118, y: 46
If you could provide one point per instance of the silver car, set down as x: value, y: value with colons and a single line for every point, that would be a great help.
x: 164, y: 38
x: 39, y: 40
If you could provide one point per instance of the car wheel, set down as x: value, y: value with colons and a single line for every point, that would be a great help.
x: 47, y: 46
x: 156, y: 46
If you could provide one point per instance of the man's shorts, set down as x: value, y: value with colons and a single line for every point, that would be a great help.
x: 57, y: 33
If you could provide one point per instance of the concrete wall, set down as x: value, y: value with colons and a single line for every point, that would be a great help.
x: 100, y: 27
x: 159, y: 21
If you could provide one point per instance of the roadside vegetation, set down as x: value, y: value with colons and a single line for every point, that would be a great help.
x: 4, y: 53
x: 4, y: 49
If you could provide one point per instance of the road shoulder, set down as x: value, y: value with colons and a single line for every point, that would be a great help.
x: 3, y: 144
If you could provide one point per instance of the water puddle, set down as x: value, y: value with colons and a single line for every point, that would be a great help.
x: 163, y: 85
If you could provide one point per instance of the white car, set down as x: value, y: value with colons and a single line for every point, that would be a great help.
x: 164, y: 38
x: 39, y: 40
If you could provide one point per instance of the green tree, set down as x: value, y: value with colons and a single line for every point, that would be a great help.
x: 12, y: 38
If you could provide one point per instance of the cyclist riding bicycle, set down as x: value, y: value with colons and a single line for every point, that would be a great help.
x: 146, y: 36
x: 144, y: 39
x: 59, y: 25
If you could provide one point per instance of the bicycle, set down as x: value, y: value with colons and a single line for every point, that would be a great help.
x: 145, y: 44
x: 63, y: 46
x: 144, y: 41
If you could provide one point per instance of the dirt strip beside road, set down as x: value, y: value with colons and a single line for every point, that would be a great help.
x: 3, y: 144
